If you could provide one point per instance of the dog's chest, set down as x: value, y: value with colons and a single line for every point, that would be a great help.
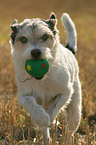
x: 43, y: 91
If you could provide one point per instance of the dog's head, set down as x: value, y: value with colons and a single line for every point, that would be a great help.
x: 34, y: 39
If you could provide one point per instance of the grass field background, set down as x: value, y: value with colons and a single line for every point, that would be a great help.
x: 15, y: 125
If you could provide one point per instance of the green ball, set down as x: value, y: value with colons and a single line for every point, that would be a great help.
x: 37, y: 67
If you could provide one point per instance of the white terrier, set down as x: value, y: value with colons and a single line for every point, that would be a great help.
x: 44, y: 97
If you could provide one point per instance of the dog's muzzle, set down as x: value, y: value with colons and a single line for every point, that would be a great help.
x: 36, y: 53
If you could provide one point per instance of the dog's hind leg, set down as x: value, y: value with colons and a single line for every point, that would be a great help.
x: 46, y: 135
x: 74, y: 110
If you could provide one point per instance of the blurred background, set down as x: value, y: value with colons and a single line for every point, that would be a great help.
x: 83, y: 13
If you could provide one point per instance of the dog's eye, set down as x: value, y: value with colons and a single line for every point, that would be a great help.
x: 45, y: 37
x: 23, y: 39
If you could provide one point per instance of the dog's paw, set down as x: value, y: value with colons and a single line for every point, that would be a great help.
x: 41, y: 118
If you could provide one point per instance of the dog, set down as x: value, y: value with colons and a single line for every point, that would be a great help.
x: 60, y: 87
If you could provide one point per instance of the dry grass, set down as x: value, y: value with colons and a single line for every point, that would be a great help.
x: 15, y: 125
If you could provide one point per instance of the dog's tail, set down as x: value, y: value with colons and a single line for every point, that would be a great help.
x: 71, y: 32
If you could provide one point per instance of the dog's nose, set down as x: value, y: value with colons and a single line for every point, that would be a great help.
x: 36, y: 53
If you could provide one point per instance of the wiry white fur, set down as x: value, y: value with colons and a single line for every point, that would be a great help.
x: 43, y: 99
x: 70, y: 31
x: 46, y: 53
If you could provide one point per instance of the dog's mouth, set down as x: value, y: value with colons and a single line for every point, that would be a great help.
x: 39, y: 78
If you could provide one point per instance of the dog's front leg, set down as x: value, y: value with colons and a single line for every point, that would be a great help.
x: 59, y: 102
x: 39, y: 116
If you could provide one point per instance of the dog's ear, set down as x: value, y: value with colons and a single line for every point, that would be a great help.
x: 52, y: 22
x: 14, y: 25
x: 53, y: 19
x: 52, y: 16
